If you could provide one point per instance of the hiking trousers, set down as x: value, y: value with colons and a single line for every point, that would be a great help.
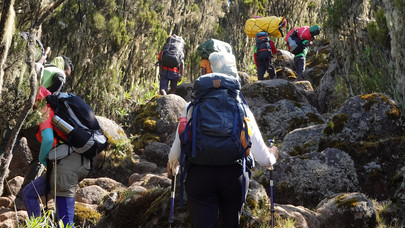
x: 213, y: 191
x: 264, y: 65
x: 65, y: 206
x: 167, y: 76
x: 299, y: 63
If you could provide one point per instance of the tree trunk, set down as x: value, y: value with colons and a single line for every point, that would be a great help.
x: 395, y: 14
x: 6, y: 28
x: 8, y: 155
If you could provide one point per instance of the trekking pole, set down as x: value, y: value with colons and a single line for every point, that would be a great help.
x: 173, y: 193
x: 271, y: 142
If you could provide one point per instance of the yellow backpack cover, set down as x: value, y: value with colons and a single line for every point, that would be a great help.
x: 271, y: 25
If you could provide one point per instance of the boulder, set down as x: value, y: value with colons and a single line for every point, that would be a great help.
x: 302, y: 140
x: 169, y: 109
x: 22, y: 157
x: 371, y: 130
x: 157, y: 153
x: 13, y: 186
x: 105, y: 183
x: 260, y: 93
x: 90, y: 194
x: 347, y: 210
x: 303, y: 217
x: 278, y: 119
x: 308, y: 179
x: 185, y: 90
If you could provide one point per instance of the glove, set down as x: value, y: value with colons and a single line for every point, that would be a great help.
x: 272, y: 160
x: 174, y: 164
x: 274, y: 150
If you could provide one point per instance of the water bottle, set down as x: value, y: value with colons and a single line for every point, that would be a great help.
x: 62, y: 125
x: 182, y: 125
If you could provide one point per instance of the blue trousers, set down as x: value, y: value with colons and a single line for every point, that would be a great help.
x: 299, y: 63
x: 65, y: 206
x: 264, y: 65
x: 167, y: 76
x: 213, y: 191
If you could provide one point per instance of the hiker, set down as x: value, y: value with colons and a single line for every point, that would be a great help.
x: 52, y: 78
x: 205, y: 66
x: 216, y: 184
x: 55, y: 73
x: 171, y: 62
x: 69, y: 170
x: 263, y: 52
x: 207, y: 48
x: 298, y: 42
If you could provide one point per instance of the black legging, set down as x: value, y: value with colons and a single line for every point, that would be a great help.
x: 213, y: 190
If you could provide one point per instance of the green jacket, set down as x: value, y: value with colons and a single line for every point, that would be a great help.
x: 305, y: 51
x: 53, y: 78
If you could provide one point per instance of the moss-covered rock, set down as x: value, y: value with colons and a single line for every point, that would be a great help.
x: 308, y: 179
x: 347, y: 210
x: 85, y: 215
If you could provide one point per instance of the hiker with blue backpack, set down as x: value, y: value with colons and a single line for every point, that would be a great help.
x: 298, y: 42
x: 216, y: 144
x: 60, y: 154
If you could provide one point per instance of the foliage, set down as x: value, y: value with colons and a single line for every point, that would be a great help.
x: 45, y: 221
x: 337, y: 14
x: 378, y: 30
x: 380, y: 208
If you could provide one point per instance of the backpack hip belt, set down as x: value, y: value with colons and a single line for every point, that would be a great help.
x: 171, y: 69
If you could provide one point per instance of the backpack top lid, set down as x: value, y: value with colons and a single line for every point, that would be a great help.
x: 208, y: 82
x: 213, y: 45
x: 261, y: 34
x: 223, y: 62
x: 175, y: 39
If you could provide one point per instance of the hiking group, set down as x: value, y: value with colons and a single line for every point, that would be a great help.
x: 217, y: 141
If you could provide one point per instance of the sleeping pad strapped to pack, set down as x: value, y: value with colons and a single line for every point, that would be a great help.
x: 271, y: 25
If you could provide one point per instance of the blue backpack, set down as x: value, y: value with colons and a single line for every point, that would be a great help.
x: 217, y: 134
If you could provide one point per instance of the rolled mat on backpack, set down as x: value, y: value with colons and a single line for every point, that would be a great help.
x: 269, y: 24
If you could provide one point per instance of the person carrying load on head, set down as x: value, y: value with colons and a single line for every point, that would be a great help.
x: 171, y: 64
x: 262, y: 28
x: 216, y: 143
x: 65, y: 173
x: 298, y: 42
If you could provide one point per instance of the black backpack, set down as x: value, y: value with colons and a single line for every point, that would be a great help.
x: 172, y: 52
x: 86, y: 138
x: 263, y: 45
x: 296, y: 45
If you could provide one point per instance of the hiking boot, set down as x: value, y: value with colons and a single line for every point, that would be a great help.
x: 163, y: 92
